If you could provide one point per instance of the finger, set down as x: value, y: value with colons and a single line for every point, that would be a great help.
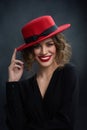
x: 18, y: 66
x: 18, y: 62
x: 14, y: 55
x: 15, y: 65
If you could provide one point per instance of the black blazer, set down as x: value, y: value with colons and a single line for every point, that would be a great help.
x: 27, y: 110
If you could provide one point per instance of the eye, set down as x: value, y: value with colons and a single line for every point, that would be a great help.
x: 50, y: 44
x: 36, y: 46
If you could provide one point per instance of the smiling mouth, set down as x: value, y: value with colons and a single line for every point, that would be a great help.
x: 44, y: 58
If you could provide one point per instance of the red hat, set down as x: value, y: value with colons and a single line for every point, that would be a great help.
x: 40, y: 29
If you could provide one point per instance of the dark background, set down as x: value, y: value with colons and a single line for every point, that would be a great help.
x: 14, y: 14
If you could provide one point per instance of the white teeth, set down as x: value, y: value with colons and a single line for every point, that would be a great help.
x: 44, y: 58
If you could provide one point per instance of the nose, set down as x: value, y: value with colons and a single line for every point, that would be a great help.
x: 43, y: 50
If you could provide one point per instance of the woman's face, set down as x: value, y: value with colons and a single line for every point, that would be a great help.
x: 45, y: 53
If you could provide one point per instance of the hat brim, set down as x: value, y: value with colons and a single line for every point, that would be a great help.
x: 59, y: 30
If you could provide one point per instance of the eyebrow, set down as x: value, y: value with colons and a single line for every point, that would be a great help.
x: 50, y: 41
x: 47, y: 41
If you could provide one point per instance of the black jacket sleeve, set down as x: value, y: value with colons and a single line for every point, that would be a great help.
x: 14, y: 110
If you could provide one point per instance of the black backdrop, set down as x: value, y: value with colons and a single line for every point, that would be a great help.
x: 15, y: 13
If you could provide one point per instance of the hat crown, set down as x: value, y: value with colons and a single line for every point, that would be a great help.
x: 37, y: 26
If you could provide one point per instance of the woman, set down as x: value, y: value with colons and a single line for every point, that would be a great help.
x: 47, y: 100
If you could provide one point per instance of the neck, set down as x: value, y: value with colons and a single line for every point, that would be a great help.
x: 47, y: 71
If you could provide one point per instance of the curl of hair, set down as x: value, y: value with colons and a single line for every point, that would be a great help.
x: 64, y: 50
x: 28, y: 57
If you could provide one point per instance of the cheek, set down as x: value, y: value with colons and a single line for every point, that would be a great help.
x: 36, y: 52
x: 53, y: 50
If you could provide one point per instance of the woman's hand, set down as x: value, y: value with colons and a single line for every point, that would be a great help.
x: 15, y: 69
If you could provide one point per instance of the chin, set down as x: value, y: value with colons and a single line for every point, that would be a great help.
x: 48, y: 64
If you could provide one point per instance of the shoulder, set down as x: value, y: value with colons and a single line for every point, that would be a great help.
x: 70, y: 66
x: 70, y: 73
x: 28, y: 80
x: 70, y: 69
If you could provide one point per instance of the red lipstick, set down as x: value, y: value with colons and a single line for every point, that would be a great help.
x: 44, y: 58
